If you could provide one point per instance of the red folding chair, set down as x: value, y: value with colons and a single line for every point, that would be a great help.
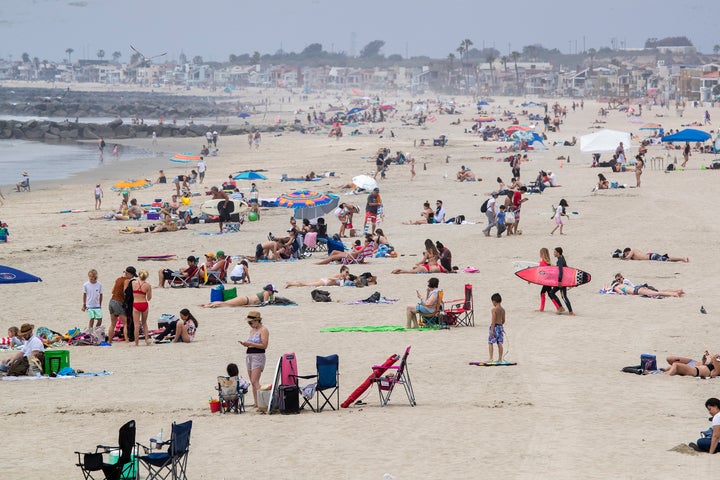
x: 461, y: 312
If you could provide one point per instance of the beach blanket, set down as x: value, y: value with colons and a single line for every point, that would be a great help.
x: 301, y: 179
x: 57, y: 377
x: 374, y: 298
x: 374, y: 328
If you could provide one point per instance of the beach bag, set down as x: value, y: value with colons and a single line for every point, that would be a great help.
x: 461, y: 218
x: 320, y: 295
x: 509, y: 217
x: 216, y: 293
x: 229, y: 293
x: 19, y: 368
x: 483, y: 207
x: 648, y: 361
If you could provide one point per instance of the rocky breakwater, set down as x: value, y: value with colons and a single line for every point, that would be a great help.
x: 42, y: 130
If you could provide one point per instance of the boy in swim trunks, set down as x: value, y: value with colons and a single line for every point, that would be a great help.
x: 496, y: 333
x: 92, y: 298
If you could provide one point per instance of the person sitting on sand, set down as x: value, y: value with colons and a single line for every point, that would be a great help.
x: 428, y: 216
x: 711, y: 437
x: 337, y: 280
x: 633, y: 254
x: 603, y: 183
x: 352, y: 256
x: 709, y: 366
x: 625, y: 287
x: 267, y: 296
x: 135, y: 212
x: 165, y: 274
x: 430, y: 262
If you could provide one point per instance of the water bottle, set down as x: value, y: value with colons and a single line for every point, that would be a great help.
x: 160, y: 436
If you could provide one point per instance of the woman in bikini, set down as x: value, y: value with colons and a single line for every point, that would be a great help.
x: 337, y: 280
x: 709, y: 367
x: 142, y: 293
x: 625, y: 287
x: 256, y: 344
x: 430, y: 262
x: 262, y: 298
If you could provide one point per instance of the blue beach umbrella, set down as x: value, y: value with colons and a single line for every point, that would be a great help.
x: 243, y: 115
x: 12, y: 275
x: 688, y: 135
x: 249, y: 175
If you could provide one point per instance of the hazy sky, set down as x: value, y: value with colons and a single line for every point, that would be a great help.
x: 216, y: 28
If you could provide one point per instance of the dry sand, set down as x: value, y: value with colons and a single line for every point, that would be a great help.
x: 565, y: 411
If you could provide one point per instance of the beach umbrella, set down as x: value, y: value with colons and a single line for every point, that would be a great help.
x: 304, y: 198
x: 482, y: 103
x: 243, y: 115
x: 688, y: 135
x: 604, y: 141
x: 317, y: 211
x: 130, y: 185
x: 515, y: 128
x: 364, y: 182
x: 184, y: 158
x: 355, y: 110
x: 12, y: 275
x: 387, y: 106
x: 249, y: 175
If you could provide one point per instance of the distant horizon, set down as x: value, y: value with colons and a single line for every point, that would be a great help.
x: 49, y: 27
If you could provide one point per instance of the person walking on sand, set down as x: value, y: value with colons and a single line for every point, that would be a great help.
x: 142, y: 294
x: 256, y: 344
x: 371, y: 210
x: 558, y: 253
x: 202, y: 167
x: 101, y: 147
x: 686, y: 154
x: 496, y: 332
x: 639, y: 164
x: 490, y: 212
x: 98, y: 196
x: 92, y: 299
x: 559, y: 213
x: 544, y: 262
x: 154, y: 137
x: 412, y: 168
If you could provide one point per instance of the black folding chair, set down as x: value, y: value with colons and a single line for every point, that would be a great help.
x: 171, y: 464
x: 125, y: 467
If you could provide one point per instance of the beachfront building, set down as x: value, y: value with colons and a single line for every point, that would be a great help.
x: 709, y: 82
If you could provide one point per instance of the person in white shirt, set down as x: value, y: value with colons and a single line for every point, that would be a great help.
x: 28, y: 356
x: 201, y: 166
x: 439, y: 212
x: 493, y: 207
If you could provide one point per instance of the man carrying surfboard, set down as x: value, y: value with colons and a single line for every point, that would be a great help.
x: 224, y: 208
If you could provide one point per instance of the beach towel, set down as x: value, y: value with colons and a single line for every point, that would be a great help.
x: 374, y: 328
x: 58, y: 377
x: 374, y: 298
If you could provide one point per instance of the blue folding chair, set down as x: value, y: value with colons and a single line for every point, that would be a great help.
x: 171, y: 464
x: 327, y: 385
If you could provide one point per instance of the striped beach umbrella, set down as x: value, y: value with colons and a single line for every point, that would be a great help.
x: 131, y: 185
x: 184, y: 158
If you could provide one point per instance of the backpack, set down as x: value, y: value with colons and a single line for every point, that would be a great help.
x: 374, y: 298
x: 461, y: 218
x: 483, y: 207
x: 320, y: 295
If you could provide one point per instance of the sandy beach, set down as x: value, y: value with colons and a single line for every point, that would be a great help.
x: 564, y: 412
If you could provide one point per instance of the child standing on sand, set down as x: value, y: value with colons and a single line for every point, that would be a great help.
x: 412, y: 168
x: 559, y: 213
x: 92, y: 298
x: 497, y: 331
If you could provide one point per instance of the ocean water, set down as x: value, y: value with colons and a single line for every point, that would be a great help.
x: 53, y: 161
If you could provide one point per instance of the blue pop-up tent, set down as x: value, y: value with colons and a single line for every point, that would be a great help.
x: 12, y: 275
x: 688, y: 135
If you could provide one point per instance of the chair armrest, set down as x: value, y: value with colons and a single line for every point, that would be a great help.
x: 105, y: 448
x: 304, y: 377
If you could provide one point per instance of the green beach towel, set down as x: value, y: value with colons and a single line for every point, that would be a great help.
x: 374, y: 328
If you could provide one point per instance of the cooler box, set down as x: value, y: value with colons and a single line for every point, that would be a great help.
x: 130, y: 470
x: 216, y: 293
x: 56, y: 360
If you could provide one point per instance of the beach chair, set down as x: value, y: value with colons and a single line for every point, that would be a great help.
x: 171, y: 464
x: 398, y: 374
x: 461, y: 312
x: 231, y: 393
x: 177, y: 280
x: 436, y: 317
x: 219, y: 276
x: 358, y: 258
x: 328, y: 380
x: 24, y: 186
x: 124, y: 466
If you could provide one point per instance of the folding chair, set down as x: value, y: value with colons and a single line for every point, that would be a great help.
x: 24, y: 186
x: 437, y: 316
x: 177, y: 280
x: 461, y: 312
x: 221, y: 275
x: 400, y: 375
x: 125, y: 465
x: 328, y: 378
x: 359, y: 257
x: 173, y: 463
x: 231, y: 392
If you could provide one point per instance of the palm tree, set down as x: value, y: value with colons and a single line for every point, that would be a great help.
x: 490, y: 59
x: 100, y: 54
x: 26, y: 57
x: 464, y: 50
x: 69, y: 52
x: 716, y: 49
x: 515, y: 55
x: 504, y: 61
x: 116, y: 55
x: 450, y: 59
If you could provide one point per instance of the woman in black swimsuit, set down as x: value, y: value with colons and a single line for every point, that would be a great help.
x: 710, y: 367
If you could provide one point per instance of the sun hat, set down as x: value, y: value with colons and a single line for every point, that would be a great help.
x: 131, y: 270
x: 254, y: 315
x: 220, y: 253
x: 210, y: 255
x: 25, y: 174
x: 270, y: 288
x: 26, y: 328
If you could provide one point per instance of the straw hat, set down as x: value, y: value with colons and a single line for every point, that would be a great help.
x: 26, y: 328
x: 253, y: 315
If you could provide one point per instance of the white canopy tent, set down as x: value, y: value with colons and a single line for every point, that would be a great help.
x: 605, y: 141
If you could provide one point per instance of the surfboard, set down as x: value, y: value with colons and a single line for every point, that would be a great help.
x: 492, y: 364
x: 169, y: 256
x: 211, y: 206
x: 523, y: 264
x: 548, y: 276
